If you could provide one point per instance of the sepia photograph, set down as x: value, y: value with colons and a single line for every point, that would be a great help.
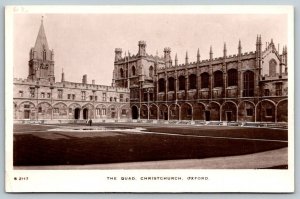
x: 149, y: 95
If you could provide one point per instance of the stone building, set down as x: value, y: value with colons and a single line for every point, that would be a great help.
x: 244, y: 87
x: 40, y: 97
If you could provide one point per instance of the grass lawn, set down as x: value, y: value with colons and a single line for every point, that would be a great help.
x: 35, y: 145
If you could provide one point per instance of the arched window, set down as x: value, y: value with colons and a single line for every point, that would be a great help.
x: 232, y: 77
x: 272, y: 68
x: 121, y: 73
x: 248, y: 84
x: 171, y: 84
x: 161, y: 85
x: 218, y: 79
x: 133, y: 71
x: 181, y: 82
x: 193, y: 81
x: 151, y: 71
x: 204, y: 80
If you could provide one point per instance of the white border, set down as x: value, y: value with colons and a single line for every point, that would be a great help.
x: 95, y: 180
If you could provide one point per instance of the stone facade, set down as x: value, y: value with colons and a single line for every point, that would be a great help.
x: 244, y: 87
x: 40, y: 97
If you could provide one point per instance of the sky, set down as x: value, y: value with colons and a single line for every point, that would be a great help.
x: 85, y: 43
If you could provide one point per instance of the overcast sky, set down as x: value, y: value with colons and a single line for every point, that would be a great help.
x: 85, y: 43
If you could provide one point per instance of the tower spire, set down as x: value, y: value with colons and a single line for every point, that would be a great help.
x: 210, y: 53
x: 176, y: 60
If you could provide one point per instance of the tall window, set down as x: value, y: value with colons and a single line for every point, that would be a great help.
x: 32, y: 91
x: 171, y: 84
x: 121, y: 97
x: 232, y: 77
x: 248, y: 84
x: 267, y: 92
x: 133, y: 71
x: 218, y: 79
x: 83, y: 95
x: 104, y: 97
x: 151, y: 71
x: 97, y: 111
x: 60, y: 94
x: 272, y: 67
x: 181, y: 82
x: 278, y: 89
x: 204, y: 80
x: 20, y: 93
x: 161, y: 85
x: 193, y: 81
x: 121, y: 73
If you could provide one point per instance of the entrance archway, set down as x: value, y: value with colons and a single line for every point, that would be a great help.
x: 134, y: 112
x: 85, y: 113
x: 77, y: 113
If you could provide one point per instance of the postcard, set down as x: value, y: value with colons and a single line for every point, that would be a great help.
x: 183, y: 98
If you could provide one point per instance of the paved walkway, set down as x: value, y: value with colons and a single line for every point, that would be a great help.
x: 252, y: 161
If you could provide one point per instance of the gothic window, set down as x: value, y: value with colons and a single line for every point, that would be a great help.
x: 278, y: 87
x: 272, y: 68
x: 232, y: 77
x: 218, y: 79
x: 69, y: 96
x: 32, y: 91
x: 103, y: 111
x: 133, y: 71
x: 73, y: 96
x: 267, y: 92
x: 248, y: 84
x: 96, y: 98
x: 145, y: 97
x: 40, y: 109
x: 97, y: 111
x: 104, y: 97
x: 181, y: 82
x: 48, y: 95
x: 20, y: 93
x: 151, y: 71
x: 193, y: 81
x: 91, y: 98
x: 123, y: 112
x: 171, y: 84
x: 110, y: 99
x: 60, y: 94
x: 121, y: 97
x: 42, y: 95
x: 161, y: 85
x: 204, y: 80
x: 83, y: 95
x: 121, y: 73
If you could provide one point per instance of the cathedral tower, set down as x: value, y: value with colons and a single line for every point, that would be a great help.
x: 41, y: 59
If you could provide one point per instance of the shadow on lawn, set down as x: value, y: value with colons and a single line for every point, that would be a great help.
x: 30, y: 150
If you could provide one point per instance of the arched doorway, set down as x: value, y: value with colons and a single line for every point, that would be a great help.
x: 85, y: 113
x: 77, y: 113
x: 134, y: 112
